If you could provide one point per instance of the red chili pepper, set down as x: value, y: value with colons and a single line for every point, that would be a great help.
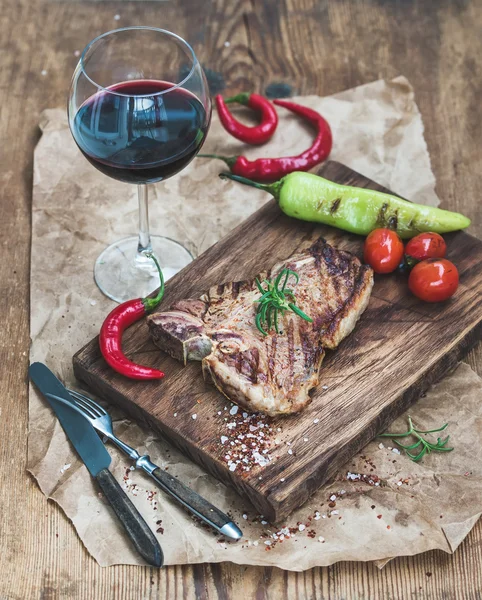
x: 110, y: 338
x: 271, y: 169
x: 250, y: 135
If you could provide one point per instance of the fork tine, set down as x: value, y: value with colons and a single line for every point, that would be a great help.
x: 88, y: 403
x: 86, y: 408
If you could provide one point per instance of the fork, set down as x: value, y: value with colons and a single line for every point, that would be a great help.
x: 191, y: 500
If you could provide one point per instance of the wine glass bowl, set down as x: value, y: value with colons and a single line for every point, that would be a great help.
x: 139, y: 110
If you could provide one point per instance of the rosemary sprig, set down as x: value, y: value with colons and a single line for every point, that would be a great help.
x: 275, y: 299
x: 427, y: 447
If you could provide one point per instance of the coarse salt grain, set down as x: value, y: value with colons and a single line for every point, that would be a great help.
x: 116, y: 17
x: 245, y: 516
x: 399, y: 482
x: 93, y: 302
x: 194, y: 416
x: 234, y: 410
x: 224, y: 439
x: 321, y: 539
x: 268, y: 542
x: 290, y: 451
x: 77, y: 53
x: 65, y: 467
x: 227, y: 44
x: 175, y: 414
x: 305, y: 439
x: 255, y: 543
x: 264, y: 522
x: 333, y: 497
x: 396, y: 450
x: 380, y: 445
x: 335, y: 512
x: 43, y: 72
x: 301, y: 527
x: 282, y: 479
x: 232, y: 467
x: 324, y: 387
x: 316, y: 420
x: 259, y: 459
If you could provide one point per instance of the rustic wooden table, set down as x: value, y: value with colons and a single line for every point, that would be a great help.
x: 314, y: 46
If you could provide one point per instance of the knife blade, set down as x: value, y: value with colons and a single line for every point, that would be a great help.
x: 97, y: 460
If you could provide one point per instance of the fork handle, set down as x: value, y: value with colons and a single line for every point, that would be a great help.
x: 191, y: 500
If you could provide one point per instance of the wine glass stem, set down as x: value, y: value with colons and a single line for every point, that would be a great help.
x: 144, y: 236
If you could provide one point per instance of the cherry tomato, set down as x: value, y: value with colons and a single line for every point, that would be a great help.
x: 434, y: 279
x: 426, y: 245
x: 383, y: 250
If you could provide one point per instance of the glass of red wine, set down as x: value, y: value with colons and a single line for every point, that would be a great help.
x: 139, y: 110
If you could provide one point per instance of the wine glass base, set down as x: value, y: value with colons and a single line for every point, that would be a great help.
x: 122, y: 274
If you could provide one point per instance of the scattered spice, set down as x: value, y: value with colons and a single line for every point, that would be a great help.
x: 65, y: 468
x: 159, y: 528
x: 246, y: 441
x: 370, y: 479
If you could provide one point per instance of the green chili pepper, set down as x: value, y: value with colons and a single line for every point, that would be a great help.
x: 359, y: 210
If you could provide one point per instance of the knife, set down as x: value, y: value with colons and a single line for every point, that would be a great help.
x: 97, y: 460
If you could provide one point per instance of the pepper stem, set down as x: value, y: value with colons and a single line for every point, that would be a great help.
x: 272, y: 188
x: 151, y: 303
x: 229, y: 160
x: 242, y: 98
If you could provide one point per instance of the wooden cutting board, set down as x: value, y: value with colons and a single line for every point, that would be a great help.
x: 398, y: 349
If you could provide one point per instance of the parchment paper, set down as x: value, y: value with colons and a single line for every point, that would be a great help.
x: 77, y: 211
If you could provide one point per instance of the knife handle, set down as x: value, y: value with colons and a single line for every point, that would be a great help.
x: 195, y: 503
x: 137, y: 529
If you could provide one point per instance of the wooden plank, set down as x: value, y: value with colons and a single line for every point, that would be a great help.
x: 399, y: 348
x: 312, y: 47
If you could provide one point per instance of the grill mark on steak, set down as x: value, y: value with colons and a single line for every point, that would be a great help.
x: 307, y: 347
x: 272, y: 358
x: 246, y: 362
x: 219, y: 336
x: 291, y: 351
x: 316, y: 249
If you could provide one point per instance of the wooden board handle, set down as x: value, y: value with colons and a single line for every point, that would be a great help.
x: 137, y: 529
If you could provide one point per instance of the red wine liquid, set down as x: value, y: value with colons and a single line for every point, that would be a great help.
x: 136, y: 136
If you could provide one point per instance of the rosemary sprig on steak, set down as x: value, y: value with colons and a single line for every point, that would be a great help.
x: 275, y: 299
